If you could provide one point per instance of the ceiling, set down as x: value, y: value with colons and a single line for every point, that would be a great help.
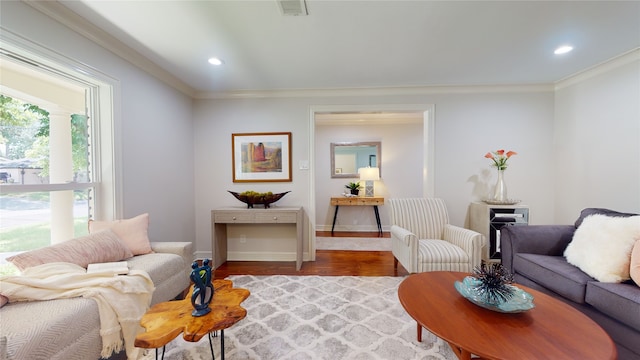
x: 368, y: 44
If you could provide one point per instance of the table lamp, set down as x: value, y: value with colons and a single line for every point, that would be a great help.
x: 369, y: 175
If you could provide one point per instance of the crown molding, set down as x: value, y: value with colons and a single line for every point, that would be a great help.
x: 379, y: 91
x: 78, y: 24
x: 604, y: 67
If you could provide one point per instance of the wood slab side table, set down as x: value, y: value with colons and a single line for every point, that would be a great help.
x: 166, y: 320
x: 358, y: 201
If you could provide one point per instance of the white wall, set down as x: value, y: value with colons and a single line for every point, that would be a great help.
x: 154, y: 126
x: 597, y: 140
x: 467, y: 125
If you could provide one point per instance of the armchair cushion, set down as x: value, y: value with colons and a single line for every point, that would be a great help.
x: 441, y: 255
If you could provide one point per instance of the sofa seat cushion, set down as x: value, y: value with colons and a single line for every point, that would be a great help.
x: 554, y: 273
x: 620, y: 301
x: 167, y: 271
x: 33, y: 329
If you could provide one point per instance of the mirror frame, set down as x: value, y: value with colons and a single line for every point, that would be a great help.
x: 377, y: 144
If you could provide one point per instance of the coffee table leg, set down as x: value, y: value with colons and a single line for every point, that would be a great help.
x: 461, y: 353
x: 419, y: 332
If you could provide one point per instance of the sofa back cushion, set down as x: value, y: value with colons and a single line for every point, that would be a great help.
x: 104, y: 246
x: 592, y: 211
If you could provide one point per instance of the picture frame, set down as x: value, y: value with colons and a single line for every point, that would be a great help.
x: 261, y: 157
x: 373, y: 161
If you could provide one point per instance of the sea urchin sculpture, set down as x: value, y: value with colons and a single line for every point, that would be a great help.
x: 494, y: 282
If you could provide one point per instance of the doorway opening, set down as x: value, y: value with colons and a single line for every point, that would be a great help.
x: 340, y: 117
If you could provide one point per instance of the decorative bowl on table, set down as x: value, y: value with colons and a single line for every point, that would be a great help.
x: 471, y: 290
x: 251, y: 198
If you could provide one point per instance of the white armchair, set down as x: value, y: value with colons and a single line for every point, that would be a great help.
x: 423, y: 240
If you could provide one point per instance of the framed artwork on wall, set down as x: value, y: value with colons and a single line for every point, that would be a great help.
x: 261, y: 157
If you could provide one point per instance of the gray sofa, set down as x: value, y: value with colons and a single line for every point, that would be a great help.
x: 68, y: 329
x: 534, y: 254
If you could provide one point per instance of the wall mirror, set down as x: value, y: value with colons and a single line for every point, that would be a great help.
x: 348, y: 157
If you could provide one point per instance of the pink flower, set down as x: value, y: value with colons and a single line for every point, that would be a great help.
x: 499, y: 158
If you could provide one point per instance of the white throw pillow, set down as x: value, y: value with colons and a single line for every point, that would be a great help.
x: 601, y: 246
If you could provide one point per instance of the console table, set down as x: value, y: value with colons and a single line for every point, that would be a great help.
x: 357, y: 201
x: 274, y: 215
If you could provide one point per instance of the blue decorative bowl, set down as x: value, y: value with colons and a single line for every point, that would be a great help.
x: 519, y: 302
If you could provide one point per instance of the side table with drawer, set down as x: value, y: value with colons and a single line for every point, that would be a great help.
x: 274, y: 215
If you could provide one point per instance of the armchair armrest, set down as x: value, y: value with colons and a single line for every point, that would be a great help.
x: 402, y: 234
x: 470, y: 241
x: 404, y: 245
x: 533, y: 239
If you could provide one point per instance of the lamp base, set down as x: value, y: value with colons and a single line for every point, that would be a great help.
x: 368, y: 188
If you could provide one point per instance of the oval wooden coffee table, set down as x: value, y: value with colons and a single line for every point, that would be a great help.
x: 551, y: 330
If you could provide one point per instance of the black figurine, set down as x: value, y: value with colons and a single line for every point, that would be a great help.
x: 202, y: 288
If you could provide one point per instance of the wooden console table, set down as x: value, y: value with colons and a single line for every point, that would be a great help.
x: 275, y: 215
x: 357, y: 201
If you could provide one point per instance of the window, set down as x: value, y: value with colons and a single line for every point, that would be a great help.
x: 56, y: 147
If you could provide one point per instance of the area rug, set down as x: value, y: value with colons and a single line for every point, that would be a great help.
x: 318, y: 317
x: 353, y: 243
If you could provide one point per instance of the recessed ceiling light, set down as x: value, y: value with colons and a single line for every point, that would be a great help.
x: 215, y: 61
x: 563, y: 49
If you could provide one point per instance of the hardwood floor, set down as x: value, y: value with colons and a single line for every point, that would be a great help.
x: 328, y: 262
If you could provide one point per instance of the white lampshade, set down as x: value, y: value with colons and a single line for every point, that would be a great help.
x: 369, y: 173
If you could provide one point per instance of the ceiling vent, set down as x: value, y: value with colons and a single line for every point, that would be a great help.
x: 292, y: 7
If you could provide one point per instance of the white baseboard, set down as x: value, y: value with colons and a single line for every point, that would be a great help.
x: 254, y: 256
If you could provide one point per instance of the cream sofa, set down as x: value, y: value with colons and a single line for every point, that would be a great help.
x: 68, y: 329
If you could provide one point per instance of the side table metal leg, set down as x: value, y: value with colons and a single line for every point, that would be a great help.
x: 375, y: 209
x: 213, y: 357
x: 335, y: 215
x: 163, y: 348
x: 222, y: 344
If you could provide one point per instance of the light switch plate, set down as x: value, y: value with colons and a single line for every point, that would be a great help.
x: 304, y: 164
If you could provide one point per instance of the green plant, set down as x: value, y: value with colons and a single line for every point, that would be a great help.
x: 353, y: 186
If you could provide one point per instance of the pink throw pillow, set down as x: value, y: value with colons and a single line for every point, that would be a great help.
x: 634, y: 271
x: 133, y: 232
x: 100, y: 247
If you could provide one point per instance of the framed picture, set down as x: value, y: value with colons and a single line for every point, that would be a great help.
x: 373, y: 162
x: 261, y: 157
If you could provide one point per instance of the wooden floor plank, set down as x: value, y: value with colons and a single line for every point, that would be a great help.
x: 328, y: 262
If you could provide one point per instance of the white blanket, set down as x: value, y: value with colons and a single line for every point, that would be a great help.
x: 121, y: 299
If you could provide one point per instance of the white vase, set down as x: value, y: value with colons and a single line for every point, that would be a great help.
x: 500, y: 191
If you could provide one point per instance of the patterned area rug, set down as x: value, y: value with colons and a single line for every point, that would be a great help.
x: 318, y: 317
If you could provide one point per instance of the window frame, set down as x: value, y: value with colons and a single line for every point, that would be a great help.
x: 104, y: 124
